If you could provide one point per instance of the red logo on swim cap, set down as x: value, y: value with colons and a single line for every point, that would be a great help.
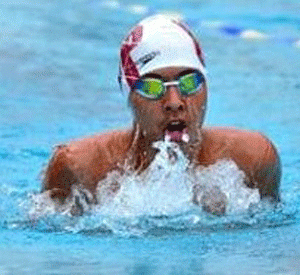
x: 135, y: 36
x: 128, y: 65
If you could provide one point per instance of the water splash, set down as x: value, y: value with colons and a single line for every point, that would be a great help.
x: 159, y: 199
x: 164, y: 188
x: 229, y: 179
x: 167, y: 186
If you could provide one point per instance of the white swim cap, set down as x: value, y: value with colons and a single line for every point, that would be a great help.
x: 157, y: 42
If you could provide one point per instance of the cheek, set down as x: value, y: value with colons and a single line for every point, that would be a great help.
x: 196, y: 106
x: 146, y: 112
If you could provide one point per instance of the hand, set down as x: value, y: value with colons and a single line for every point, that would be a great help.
x: 212, y: 199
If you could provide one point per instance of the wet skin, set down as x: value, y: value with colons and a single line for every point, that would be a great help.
x: 87, y: 161
x: 154, y: 115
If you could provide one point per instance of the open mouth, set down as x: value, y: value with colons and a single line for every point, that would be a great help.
x: 177, y: 131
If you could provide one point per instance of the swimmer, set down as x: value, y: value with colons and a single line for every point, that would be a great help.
x: 162, y: 73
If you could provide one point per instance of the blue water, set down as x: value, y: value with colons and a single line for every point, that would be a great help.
x: 58, y: 66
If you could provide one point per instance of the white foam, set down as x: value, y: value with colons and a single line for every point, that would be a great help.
x: 168, y: 138
x: 227, y: 177
x: 185, y: 138
x: 166, y: 187
x: 40, y: 205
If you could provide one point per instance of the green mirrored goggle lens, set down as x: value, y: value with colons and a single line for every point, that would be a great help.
x: 150, y: 87
x: 155, y: 88
x: 190, y: 83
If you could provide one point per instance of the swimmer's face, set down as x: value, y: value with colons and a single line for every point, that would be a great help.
x: 173, y: 116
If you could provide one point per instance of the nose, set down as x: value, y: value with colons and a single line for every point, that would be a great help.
x: 173, y: 100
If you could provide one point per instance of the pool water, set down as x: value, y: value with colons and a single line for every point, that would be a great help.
x: 58, y: 67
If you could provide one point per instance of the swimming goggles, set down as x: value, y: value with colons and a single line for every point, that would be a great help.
x: 155, y: 88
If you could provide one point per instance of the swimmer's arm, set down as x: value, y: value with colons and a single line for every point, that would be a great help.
x: 82, y: 163
x: 268, y: 174
x: 58, y: 178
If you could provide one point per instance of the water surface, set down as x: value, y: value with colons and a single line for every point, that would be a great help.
x: 58, y: 67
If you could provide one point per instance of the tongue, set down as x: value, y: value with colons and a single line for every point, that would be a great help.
x: 177, y: 136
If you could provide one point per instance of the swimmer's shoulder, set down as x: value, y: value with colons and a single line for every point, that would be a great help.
x: 110, y: 144
x: 237, y: 144
x: 86, y: 160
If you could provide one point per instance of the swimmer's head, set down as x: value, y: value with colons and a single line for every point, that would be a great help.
x: 157, y: 42
x: 163, y: 73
